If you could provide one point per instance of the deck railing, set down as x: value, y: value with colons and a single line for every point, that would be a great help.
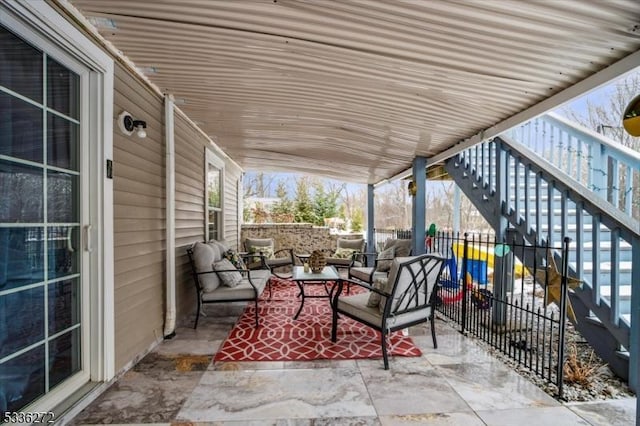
x: 609, y: 169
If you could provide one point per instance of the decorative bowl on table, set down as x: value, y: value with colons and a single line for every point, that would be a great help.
x: 317, y: 261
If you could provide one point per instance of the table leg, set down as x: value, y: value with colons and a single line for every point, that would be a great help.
x: 301, y: 287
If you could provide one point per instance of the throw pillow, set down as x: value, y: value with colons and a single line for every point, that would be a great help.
x: 374, y: 298
x: 228, y: 274
x: 266, y: 251
x: 387, y: 286
x: 385, y: 259
x: 235, y: 259
x: 403, y: 247
x: 344, y: 253
x: 204, y: 256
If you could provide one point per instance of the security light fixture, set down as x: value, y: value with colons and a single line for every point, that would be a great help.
x: 127, y: 125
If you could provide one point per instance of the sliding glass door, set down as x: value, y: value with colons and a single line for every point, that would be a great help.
x: 41, y: 219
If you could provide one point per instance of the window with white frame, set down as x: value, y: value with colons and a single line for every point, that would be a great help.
x: 214, y: 177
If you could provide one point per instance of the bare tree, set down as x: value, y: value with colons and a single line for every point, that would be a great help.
x: 259, y: 184
x: 606, y: 118
x: 393, y: 206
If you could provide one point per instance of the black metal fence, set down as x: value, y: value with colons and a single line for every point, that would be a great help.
x: 502, y: 294
x: 381, y: 235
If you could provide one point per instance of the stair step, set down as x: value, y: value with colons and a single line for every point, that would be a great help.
x: 625, y: 291
x: 592, y: 319
x: 623, y: 354
x: 606, y: 245
x: 625, y: 266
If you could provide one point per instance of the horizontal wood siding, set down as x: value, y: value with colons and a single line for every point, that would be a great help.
x: 139, y: 221
x: 190, y: 207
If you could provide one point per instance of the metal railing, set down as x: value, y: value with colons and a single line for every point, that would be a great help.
x: 381, y: 235
x: 490, y: 294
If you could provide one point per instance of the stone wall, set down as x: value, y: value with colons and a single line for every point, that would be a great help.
x: 301, y: 237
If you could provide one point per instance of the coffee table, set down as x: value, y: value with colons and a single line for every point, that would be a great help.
x: 301, y: 278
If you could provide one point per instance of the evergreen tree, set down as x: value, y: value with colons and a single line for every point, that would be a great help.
x: 325, y: 202
x: 282, y: 211
x: 302, y: 203
x: 357, y: 219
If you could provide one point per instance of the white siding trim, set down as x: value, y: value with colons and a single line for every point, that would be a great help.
x: 211, y: 157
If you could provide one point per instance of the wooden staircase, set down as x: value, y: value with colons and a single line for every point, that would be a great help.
x: 549, y: 179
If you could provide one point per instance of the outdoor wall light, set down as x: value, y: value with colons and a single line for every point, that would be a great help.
x: 127, y: 125
x: 631, y: 117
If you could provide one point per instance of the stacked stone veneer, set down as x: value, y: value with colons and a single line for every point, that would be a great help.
x: 301, y: 237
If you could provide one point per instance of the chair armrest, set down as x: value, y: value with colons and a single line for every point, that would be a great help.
x: 250, y: 256
x: 289, y: 252
x: 382, y: 258
x: 367, y: 286
x: 359, y: 255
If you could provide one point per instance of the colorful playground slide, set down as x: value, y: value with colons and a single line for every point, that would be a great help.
x: 484, y: 254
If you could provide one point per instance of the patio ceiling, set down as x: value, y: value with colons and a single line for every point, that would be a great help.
x: 354, y: 90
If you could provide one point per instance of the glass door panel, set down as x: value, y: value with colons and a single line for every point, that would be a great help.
x: 40, y: 210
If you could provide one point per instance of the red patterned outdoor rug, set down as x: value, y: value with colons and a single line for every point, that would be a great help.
x: 281, y: 338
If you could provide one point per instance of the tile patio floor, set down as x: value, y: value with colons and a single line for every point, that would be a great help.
x: 457, y: 384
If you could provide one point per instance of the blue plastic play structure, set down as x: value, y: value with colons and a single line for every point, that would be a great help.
x: 476, y: 268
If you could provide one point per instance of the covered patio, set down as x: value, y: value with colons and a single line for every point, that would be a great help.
x: 460, y: 383
x: 162, y: 106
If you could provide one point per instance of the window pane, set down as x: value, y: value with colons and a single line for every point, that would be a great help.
x: 21, y: 257
x: 64, y: 308
x: 62, y: 142
x: 21, y: 320
x: 62, y: 89
x: 62, y: 247
x: 64, y: 357
x: 213, y: 187
x: 22, y: 379
x: 21, y: 189
x: 20, y: 66
x: 62, y: 197
x: 21, y: 128
x: 213, y: 225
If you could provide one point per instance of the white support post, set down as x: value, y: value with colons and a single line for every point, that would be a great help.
x: 170, y: 171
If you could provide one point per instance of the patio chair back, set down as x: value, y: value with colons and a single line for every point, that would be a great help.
x: 412, y: 281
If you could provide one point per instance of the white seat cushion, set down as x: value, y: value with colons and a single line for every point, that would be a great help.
x: 242, y: 291
x: 361, y: 273
x: 356, y: 305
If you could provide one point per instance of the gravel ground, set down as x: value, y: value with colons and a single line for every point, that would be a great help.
x: 602, y: 384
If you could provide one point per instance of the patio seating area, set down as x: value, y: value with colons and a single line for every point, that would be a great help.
x: 132, y: 125
x: 459, y: 383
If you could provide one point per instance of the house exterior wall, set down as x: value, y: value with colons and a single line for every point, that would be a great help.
x: 140, y: 216
x: 139, y: 220
x: 190, y: 146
